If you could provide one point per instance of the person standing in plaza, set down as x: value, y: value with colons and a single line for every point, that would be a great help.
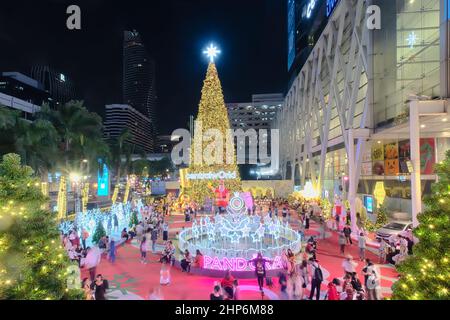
x: 143, y: 250
x: 165, y: 232
x: 342, y: 242
x: 382, y: 250
x: 139, y: 231
x: 348, y: 234
x: 373, y: 285
x: 112, y: 251
x: 349, y: 265
x: 91, y: 261
x: 116, y: 223
x: 316, y: 280
x: 84, y: 236
x: 307, y: 217
x: 100, y: 286
x: 260, y: 269
x: 154, y: 238
x: 362, y: 246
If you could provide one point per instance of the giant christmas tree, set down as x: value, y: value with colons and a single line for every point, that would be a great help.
x: 212, y: 149
x: 426, y: 274
x: 33, y: 264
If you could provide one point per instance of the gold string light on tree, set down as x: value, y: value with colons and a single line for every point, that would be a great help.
x: 212, y: 114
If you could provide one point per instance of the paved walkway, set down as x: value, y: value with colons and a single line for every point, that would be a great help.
x: 131, y: 280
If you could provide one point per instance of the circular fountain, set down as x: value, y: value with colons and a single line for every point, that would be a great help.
x: 231, y: 240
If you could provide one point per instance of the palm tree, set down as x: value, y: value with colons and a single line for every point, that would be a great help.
x: 34, y: 141
x: 121, y: 147
x: 37, y: 144
x: 7, y: 117
x: 80, y: 134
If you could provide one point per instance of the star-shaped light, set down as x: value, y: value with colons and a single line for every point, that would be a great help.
x: 245, y: 231
x: 259, y: 234
x: 211, y: 52
x: 412, y: 39
x: 234, y: 237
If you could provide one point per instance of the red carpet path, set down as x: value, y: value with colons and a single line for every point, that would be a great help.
x: 131, y: 280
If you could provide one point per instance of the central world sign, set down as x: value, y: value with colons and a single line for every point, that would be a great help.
x: 221, y: 175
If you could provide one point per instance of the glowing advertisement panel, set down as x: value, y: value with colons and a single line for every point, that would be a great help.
x: 291, y: 33
x: 103, y: 180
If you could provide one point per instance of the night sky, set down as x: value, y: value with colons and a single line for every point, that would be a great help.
x: 250, y: 33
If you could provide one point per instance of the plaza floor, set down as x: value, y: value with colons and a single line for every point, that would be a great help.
x: 129, y: 279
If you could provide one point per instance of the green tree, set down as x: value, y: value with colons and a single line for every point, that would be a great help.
x: 35, y: 141
x: 80, y: 135
x: 98, y: 233
x: 33, y: 264
x: 426, y: 274
x: 382, y: 217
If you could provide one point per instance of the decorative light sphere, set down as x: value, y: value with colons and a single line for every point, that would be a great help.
x: 211, y: 52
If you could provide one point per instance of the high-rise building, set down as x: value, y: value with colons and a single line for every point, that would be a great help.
x: 120, y: 117
x: 367, y: 115
x: 306, y: 21
x: 20, y: 92
x: 258, y: 115
x: 60, y: 87
x: 139, y: 81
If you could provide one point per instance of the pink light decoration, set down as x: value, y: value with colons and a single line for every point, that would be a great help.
x: 238, y: 264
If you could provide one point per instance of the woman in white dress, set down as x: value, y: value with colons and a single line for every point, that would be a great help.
x: 295, y: 280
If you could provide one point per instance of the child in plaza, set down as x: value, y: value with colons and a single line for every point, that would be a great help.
x: 382, y: 251
x: 362, y: 246
x: 143, y: 250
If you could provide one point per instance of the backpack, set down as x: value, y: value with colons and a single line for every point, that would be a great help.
x: 318, y: 274
x: 356, y: 284
x: 371, y: 282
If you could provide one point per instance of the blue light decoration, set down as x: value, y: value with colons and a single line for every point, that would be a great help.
x: 103, y: 180
x: 91, y: 218
x: 310, y: 8
x: 291, y: 32
x: 331, y: 4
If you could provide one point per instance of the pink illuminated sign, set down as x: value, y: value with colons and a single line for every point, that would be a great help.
x: 238, y: 264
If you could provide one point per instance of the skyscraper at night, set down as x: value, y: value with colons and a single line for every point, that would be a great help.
x: 60, y: 87
x: 139, y: 83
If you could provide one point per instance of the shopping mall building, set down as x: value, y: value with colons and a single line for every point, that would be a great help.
x: 366, y: 114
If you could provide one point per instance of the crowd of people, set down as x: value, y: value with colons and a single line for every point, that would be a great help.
x: 300, y: 272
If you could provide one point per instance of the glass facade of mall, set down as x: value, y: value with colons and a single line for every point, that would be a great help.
x: 358, y: 78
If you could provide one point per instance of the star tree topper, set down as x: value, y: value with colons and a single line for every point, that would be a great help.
x: 211, y: 52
